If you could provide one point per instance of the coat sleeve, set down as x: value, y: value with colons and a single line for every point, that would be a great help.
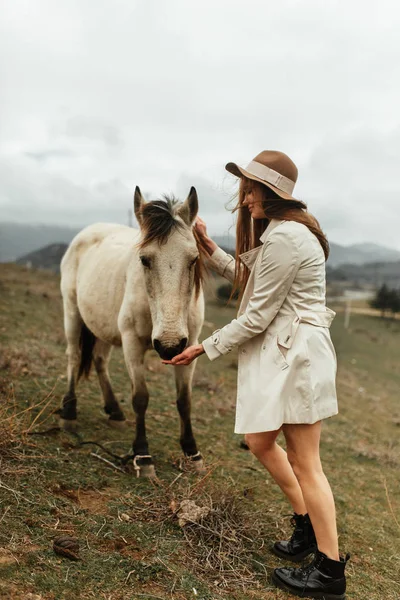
x: 223, y: 263
x: 280, y: 261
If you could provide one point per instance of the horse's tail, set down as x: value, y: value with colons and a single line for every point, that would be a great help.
x: 87, y: 341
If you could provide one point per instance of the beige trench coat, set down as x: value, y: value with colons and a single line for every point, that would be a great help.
x: 287, y: 362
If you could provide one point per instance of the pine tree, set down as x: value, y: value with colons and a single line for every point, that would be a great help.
x: 394, y: 301
x: 382, y: 300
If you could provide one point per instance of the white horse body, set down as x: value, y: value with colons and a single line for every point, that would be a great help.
x: 118, y: 290
x: 95, y: 270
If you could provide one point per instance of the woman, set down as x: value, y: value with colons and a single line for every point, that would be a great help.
x: 287, y: 363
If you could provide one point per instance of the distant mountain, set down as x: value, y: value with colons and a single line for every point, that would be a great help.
x: 356, y: 254
x: 360, y: 254
x: 16, y: 239
x: 48, y: 257
x: 371, y: 275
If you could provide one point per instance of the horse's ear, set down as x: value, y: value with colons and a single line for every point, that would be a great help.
x: 138, y: 203
x: 189, y: 209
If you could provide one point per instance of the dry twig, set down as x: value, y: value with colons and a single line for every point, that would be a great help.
x: 390, y: 504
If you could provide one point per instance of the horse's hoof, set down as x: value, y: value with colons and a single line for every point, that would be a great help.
x: 198, y: 466
x: 68, y: 424
x: 147, y: 471
x: 144, y: 467
x: 193, y: 464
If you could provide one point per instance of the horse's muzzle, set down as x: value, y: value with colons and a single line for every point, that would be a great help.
x: 168, y: 352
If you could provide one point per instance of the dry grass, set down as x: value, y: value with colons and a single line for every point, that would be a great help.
x: 222, y: 530
x: 19, y: 362
x: 388, y: 455
x: 11, y: 428
x: 16, y: 428
x: 132, y: 545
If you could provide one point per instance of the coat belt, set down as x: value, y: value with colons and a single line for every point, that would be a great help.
x: 316, y: 318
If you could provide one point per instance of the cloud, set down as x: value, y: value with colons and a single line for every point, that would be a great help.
x: 93, y: 129
x: 31, y: 196
x: 45, y: 155
x: 215, y: 201
x: 349, y: 179
x: 100, y: 97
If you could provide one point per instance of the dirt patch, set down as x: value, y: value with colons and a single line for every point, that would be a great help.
x: 17, y: 553
x: 95, y: 501
x: 126, y: 546
x: 7, y: 558
x: 9, y: 591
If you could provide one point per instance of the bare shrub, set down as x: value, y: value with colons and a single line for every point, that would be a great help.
x: 224, y: 541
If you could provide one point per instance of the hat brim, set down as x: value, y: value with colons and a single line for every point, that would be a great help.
x: 240, y: 172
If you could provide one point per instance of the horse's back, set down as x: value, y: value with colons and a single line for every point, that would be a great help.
x: 97, y: 234
x: 93, y: 274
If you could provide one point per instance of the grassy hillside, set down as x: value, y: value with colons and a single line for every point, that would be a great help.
x: 131, y: 543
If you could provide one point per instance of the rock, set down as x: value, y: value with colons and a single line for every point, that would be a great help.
x: 125, y: 517
x: 66, y: 546
x: 189, y: 512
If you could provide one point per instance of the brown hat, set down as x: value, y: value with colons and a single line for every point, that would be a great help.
x: 271, y: 168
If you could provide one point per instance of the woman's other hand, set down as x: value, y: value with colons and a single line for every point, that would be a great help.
x: 186, y: 357
x: 207, y: 243
x: 201, y: 227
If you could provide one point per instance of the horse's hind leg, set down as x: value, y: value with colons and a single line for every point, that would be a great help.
x: 101, y: 357
x: 73, y: 327
x: 183, y: 380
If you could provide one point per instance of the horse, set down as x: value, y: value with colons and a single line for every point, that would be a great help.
x: 139, y: 289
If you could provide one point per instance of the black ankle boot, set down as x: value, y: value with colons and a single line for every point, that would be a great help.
x: 324, y: 578
x: 301, y: 544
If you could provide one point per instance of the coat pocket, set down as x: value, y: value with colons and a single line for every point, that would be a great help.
x: 280, y: 354
x: 273, y: 353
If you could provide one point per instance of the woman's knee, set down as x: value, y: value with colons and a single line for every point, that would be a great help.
x: 260, y: 443
x: 304, y: 467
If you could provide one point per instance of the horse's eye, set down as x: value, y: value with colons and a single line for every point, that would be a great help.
x: 194, y: 261
x: 145, y: 261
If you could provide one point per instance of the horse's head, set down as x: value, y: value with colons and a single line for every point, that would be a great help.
x: 172, y: 268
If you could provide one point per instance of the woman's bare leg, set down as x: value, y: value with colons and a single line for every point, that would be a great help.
x: 302, y: 442
x: 274, y: 458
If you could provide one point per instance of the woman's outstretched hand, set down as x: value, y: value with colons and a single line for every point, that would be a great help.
x: 186, y: 357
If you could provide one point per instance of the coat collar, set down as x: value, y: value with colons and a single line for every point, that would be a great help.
x: 248, y: 258
x: 272, y: 224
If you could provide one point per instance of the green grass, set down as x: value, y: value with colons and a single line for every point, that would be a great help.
x: 56, y: 487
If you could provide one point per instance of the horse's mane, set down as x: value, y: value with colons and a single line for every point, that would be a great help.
x: 159, y: 220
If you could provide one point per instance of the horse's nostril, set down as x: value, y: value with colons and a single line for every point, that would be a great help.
x: 157, y: 346
x: 168, y: 352
x: 182, y: 344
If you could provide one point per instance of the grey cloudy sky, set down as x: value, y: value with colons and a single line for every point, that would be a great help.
x: 98, y: 97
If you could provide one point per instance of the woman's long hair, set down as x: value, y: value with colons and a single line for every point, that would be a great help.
x: 248, y: 230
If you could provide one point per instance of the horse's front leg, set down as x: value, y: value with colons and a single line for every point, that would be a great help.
x: 134, y: 358
x: 183, y: 380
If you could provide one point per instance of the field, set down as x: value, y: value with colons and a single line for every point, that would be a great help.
x: 131, y: 544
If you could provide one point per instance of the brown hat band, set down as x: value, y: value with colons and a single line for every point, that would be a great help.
x: 266, y: 174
